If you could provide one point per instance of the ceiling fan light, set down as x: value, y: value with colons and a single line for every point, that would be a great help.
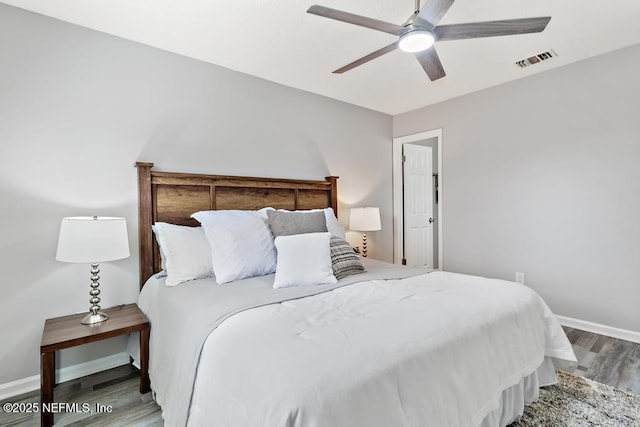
x: 416, y: 41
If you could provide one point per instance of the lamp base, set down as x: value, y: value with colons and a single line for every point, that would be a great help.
x: 95, y: 315
x: 93, y: 318
x: 364, y: 245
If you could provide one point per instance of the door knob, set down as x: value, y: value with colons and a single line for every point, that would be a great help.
x: 431, y: 220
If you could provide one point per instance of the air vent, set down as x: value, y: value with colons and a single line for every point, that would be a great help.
x: 532, y: 60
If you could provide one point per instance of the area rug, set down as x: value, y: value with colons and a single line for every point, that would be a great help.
x: 578, y: 402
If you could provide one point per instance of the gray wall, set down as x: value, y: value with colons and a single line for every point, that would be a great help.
x: 78, y: 108
x: 542, y: 176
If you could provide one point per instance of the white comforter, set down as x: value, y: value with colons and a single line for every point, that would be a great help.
x: 432, y: 350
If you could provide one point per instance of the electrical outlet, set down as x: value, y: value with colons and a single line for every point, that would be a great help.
x: 519, y: 277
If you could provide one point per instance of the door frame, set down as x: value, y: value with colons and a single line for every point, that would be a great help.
x: 398, y: 206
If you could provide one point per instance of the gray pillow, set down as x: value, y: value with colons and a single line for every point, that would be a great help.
x: 344, y: 259
x: 287, y: 223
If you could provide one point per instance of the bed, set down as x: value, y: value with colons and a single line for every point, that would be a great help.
x: 390, y: 346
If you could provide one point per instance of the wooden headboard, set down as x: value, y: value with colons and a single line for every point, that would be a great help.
x: 173, y: 197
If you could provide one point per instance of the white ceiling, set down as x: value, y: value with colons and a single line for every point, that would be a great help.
x: 278, y: 41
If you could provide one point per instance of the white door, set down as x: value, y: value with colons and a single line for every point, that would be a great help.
x: 418, y: 205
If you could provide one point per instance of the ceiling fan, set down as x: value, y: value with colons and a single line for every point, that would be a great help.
x: 421, y: 31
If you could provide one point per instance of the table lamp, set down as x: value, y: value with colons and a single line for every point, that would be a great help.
x: 364, y: 219
x: 92, y: 240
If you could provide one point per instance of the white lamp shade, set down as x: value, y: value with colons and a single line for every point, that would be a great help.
x: 365, y: 219
x: 86, y: 239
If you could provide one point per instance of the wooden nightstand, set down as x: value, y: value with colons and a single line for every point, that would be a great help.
x: 67, y: 331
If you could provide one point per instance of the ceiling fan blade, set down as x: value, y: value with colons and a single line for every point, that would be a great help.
x: 369, y: 57
x: 432, y: 12
x: 362, y: 21
x: 430, y: 61
x: 491, y: 28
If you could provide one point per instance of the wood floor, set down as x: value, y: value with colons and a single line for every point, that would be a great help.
x: 606, y: 360
x: 118, y: 387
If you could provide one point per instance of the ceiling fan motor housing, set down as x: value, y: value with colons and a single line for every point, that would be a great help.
x: 416, y: 39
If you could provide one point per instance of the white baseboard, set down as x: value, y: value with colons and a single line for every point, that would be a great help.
x: 14, y: 388
x: 25, y: 385
x: 599, y: 329
x: 91, y: 367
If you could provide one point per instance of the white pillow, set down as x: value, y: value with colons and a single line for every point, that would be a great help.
x: 303, y: 259
x: 241, y: 243
x: 186, y: 252
x: 333, y: 226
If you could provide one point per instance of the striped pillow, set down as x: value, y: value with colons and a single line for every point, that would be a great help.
x: 344, y: 259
